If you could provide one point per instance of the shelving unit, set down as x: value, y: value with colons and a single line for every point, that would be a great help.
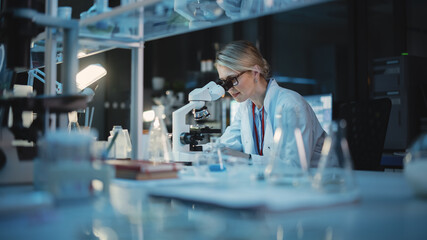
x: 131, y: 25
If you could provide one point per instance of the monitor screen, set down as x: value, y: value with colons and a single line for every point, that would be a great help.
x: 322, y: 107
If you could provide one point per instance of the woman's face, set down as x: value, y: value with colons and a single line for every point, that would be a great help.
x: 246, y: 86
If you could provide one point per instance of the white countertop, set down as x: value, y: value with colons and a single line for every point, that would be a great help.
x: 387, y: 209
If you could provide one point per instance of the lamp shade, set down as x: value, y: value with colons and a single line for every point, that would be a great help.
x: 89, y: 75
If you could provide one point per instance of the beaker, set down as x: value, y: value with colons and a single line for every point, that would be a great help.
x: 122, y: 147
x: 334, y: 172
x: 288, y: 164
x: 159, y: 148
x: 64, y: 166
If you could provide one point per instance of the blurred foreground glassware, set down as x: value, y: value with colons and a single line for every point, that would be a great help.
x: 288, y: 162
x: 223, y: 165
x: 159, y: 148
x: 73, y: 124
x: 210, y: 161
x: 64, y: 166
x: 121, y: 147
x: 334, y: 172
x: 415, y: 166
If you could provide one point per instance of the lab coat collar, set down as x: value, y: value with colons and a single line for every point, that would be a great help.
x: 271, y: 92
x: 272, y: 89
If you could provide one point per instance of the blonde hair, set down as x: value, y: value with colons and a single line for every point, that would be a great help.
x: 241, y: 56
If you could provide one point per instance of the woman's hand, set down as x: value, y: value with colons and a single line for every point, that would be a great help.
x: 226, y: 151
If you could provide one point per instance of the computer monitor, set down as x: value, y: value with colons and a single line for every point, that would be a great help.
x: 322, y: 107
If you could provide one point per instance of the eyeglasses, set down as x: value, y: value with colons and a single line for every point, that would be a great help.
x: 231, y: 81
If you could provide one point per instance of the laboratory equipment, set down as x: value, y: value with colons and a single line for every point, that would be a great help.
x: 198, y: 12
x: 288, y: 163
x: 159, y: 146
x: 335, y: 172
x: 73, y: 123
x: 415, y: 166
x: 185, y: 139
x: 99, y: 6
x: 121, y: 147
x: 64, y: 166
x: 16, y: 165
x: 18, y: 142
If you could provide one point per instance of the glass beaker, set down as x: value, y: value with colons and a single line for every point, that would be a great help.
x: 288, y: 164
x: 334, y: 173
x: 122, y: 147
x: 64, y: 166
x: 159, y: 148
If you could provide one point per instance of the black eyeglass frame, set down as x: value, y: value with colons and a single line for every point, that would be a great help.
x: 233, y: 79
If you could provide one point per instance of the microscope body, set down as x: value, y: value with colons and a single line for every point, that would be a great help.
x: 186, y: 139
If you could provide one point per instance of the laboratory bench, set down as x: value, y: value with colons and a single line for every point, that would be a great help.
x: 386, y: 208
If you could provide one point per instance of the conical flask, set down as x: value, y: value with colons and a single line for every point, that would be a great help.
x: 334, y: 173
x: 159, y: 149
x: 288, y: 164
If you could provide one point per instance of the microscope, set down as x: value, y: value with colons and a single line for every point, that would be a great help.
x: 186, y: 139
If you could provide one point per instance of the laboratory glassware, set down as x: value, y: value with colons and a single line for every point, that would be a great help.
x: 415, y: 166
x: 335, y: 170
x: 288, y: 164
x: 159, y: 148
x: 64, y: 166
x: 73, y: 123
x: 121, y: 148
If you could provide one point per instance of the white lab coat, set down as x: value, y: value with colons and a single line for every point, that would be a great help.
x: 295, y: 112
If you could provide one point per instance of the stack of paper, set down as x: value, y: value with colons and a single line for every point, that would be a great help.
x: 270, y: 197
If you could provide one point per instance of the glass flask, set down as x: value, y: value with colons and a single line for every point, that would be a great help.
x: 288, y: 164
x: 121, y: 147
x: 159, y: 145
x: 415, y: 166
x: 216, y: 161
x: 334, y: 173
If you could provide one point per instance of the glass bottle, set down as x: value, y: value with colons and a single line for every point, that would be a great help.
x: 159, y: 149
x: 288, y: 164
x: 121, y: 148
x: 73, y: 123
x: 334, y: 172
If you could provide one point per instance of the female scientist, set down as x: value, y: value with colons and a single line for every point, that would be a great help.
x: 251, y: 132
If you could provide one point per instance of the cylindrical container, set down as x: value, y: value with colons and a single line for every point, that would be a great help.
x: 122, y: 147
x: 65, y: 12
x: 63, y: 166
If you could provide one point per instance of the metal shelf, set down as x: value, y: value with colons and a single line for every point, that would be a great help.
x: 126, y: 26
